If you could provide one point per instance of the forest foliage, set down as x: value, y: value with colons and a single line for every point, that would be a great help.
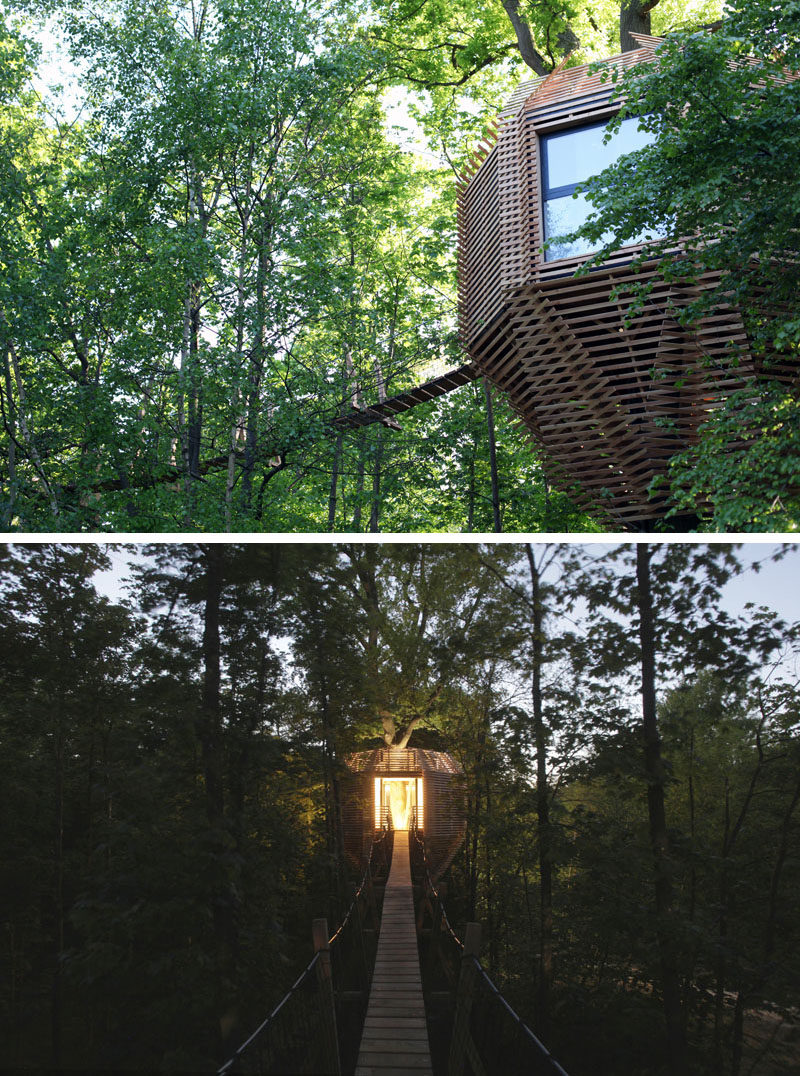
x: 208, y: 255
x: 216, y: 244
x: 173, y: 754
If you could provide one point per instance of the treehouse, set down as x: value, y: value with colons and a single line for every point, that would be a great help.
x: 404, y: 788
x: 608, y: 404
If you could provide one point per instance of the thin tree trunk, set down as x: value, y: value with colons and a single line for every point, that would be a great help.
x: 490, y: 917
x: 542, y: 805
x: 374, y: 515
x: 497, y: 524
x: 380, y: 382
x: 743, y: 996
x: 57, y: 997
x: 359, y: 493
x: 10, y: 423
x: 337, y: 457
x: 240, y: 319
x: 659, y: 840
x: 210, y: 724
x: 472, y: 849
x: 27, y: 434
x: 471, y: 495
x: 257, y: 363
x: 209, y: 730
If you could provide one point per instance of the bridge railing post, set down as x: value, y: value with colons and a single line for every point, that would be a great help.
x: 434, y: 944
x: 363, y: 959
x: 372, y: 903
x: 461, y: 1044
x: 327, y: 1002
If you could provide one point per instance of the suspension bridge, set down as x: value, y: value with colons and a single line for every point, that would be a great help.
x: 394, y: 991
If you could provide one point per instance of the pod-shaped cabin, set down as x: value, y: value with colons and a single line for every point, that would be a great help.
x: 607, y: 403
x: 404, y: 788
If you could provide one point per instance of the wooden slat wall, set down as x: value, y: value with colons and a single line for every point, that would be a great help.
x: 444, y: 814
x: 479, y: 251
x: 593, y: 393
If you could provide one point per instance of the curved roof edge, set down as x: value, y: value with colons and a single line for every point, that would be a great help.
x: 531, y: 87
x: 402, y: 760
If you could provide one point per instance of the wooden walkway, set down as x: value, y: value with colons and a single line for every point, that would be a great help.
x: 395, y: 1037
x: 404, y: 401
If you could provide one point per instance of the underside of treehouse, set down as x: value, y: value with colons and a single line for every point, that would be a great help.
x: 607, y: 402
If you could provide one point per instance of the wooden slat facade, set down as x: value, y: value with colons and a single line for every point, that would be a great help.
x: 607, y: 403
x: 444, y: 819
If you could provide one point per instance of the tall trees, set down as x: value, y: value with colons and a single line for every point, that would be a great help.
x: 225, y: 248
x: 231, y: 188
x: 64, y: 669
x: 673, y: 595
x: 659, y: 840
x: 169, y: 817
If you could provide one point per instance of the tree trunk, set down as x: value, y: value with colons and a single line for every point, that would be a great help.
x: 374, y: 515
x: 209, y: 726
x: 257, y: 362
x: 497, y: 525
x: 359, y: 493
x: 542, y: 807
x: 527, y: 51
x: 8, y: 412
x: 490, y: 916
x: 659, y: 841
x: 471, y: 495
x: 634, y: 18
x: 57, y: 996
x: 337, y: 455
x: 209, y: 729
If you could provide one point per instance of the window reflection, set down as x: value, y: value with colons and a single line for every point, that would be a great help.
x: 569, y: 158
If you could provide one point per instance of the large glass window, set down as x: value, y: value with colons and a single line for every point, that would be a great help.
x: 569, y: 158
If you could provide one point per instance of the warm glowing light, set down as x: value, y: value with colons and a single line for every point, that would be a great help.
x: 420, y: 804
x: 399, y: 802
x: 397, y: 797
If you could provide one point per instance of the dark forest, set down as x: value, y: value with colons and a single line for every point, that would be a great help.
x: 172, y: 758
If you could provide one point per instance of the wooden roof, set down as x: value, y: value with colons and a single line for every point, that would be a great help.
x: 410, y: 760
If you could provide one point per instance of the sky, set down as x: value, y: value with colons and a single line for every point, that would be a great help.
x: 776, y: 585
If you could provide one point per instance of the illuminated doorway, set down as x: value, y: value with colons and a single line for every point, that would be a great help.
x: 399, y: 800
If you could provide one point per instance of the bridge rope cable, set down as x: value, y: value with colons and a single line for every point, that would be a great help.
x: 309, y: 1028
x: 486, y: 1033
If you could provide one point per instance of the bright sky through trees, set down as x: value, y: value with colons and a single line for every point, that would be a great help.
x: 774, y: 585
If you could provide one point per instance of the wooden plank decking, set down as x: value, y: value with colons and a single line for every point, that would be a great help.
x: 395, y: 1037
x: 404, y: 401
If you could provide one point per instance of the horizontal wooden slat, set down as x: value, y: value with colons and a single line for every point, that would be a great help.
x: 608, y: 403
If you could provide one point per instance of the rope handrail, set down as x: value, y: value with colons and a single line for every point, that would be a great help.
x: 477, y: 1035
x: 434, y: 892
x: 286, y: 997
x: 314, y: 978
x: 538, y: 1045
